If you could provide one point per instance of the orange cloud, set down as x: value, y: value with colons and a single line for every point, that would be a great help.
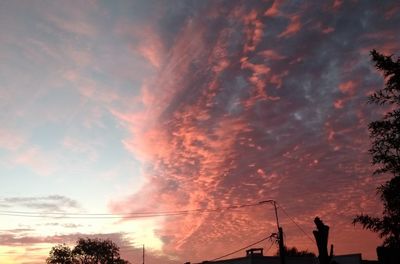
x: 348, y: 87
x: 293, y: 27
x: 273, y: 10
x: 338, y: 104
x: 271, y: 55
x: 212, y: 133
x: 253, y: 31
x: 328, y: 30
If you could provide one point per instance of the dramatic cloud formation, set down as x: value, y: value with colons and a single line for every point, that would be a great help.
x: 136, y: 106
x: 260, y: 100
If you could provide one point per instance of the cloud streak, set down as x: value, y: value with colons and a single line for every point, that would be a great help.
x: 51, y: 203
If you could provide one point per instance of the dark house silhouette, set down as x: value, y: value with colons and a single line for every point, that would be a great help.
x: 256, y: 256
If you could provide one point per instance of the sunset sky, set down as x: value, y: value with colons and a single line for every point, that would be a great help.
x: 117, y: 107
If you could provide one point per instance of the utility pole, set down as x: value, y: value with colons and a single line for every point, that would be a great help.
x: 280, y: 231
x: 143, y: 253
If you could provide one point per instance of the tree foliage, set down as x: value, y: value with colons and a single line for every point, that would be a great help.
x: 385, y: 152
x: 385, y: 133
x: 60, y: 254
x: 294, y: 252
x: 86, y: 251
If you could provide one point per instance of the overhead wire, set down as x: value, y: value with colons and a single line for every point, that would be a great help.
x: 122, y: 215
x: 240, y: 249
x: 153, y: 214
x: 269, y: 237
x: 73, y: 216
x: 294, y: 222
x: 270, y: 246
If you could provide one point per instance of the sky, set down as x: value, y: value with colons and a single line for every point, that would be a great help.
x: 119, y: 107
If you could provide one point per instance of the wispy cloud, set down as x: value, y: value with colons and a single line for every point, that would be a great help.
x: 51, y: 203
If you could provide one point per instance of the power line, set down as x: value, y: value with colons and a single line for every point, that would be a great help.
x: 123, y: 215
x: 72, y: 216
x: 146, y: 212
x: 151, y: 214
x: 298, y: 226
x: 270, y: 246
x: 238, y: 250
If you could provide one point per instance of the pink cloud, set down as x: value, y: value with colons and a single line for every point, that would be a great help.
x: 337, y: 4
x: 348, y: 87
x: 144, y: 40
x: 253, y: 31
x: 258, y: 78
x: 338, y: 104
x: 213, y: 133
x: 37, y: 160
x: 11, y: 140
x: 273, y: 10
x: 152, y: 51
x: 293, y: 27
x: 271, y: 55
x: 174, y: 146
x: 151, y: 48
x: 89, y: 88
x: 74, y: 26
x: 277, y: 79
x: 328, y: 30
x: 75, y: 19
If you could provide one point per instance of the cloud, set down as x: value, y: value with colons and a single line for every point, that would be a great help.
x: 73, y: 19
x: 37, y: 160
x: 10, y: 140
x: 272, y: 109
x: 12, y: 239
x: 81, y: 147
x: 223, y: 103
x: 273, y: 10
x: 293, y: 27
x: 51, y: 203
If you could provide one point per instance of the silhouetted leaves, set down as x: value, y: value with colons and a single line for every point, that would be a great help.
x: 294, y: 252
x: 391, y: 71
x: 385, y: 152
x: 87, y: 251
x: 60, y: 254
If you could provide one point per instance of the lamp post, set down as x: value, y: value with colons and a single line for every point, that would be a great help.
x: 280, y: 231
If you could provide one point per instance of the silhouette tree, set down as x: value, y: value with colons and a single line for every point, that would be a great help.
x: 294, y: 252
x: 385, y: 152
x: 87, y: 251
x: 60, y: 254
